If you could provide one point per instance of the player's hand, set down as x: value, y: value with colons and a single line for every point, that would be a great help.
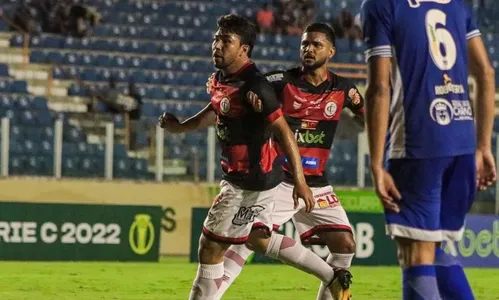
x: 486, y: 173
x: 303, y: 191
x: 209, y: 83
x: 386, y: 190
x: 168, y: 121
x: 254, y: 101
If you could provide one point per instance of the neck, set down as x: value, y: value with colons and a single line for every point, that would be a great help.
x: 316, y: 76
x: 235, y: 67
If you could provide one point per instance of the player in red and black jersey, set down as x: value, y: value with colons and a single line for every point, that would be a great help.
x: 312, y: 99
x: 249, y: 160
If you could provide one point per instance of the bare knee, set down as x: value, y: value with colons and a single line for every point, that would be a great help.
x: 413, y: 253
x: 211, y: 252
x: 258, y: 241
x: 339, y: 242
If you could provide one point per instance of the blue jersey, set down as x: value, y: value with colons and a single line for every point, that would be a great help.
x: 430, y: 111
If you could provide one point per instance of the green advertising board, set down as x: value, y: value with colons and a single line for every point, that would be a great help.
x: 36, y: 231
x: 373, y: 246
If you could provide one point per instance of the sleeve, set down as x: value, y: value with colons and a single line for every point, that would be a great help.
x: 354, y: 100
x: 277, y: 81
x: 271, y: 108
x: 376, y: 17
x: 471, y: 28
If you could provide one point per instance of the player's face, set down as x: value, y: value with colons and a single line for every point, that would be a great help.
x: 225, y: 49
x: 315, y: 50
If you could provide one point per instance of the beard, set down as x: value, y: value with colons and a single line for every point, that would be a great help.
x: 313, y: 65
x: 222, y: 62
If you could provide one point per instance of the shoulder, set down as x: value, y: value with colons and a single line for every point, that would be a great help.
x: 340, y: 82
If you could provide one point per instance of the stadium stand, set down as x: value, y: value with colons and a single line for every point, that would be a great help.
x: 164, y: 48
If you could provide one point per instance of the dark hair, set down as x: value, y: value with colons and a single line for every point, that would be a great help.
x: 322, y: 28
x: 240, y: 26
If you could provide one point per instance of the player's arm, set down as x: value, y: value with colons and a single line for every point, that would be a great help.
x: 377, y: 107
x: 273, y: 115
x: 481, y: 69
x: 377, y: 26
x: 483, y: 72
x: 205, y: 118
x: 376, y: 19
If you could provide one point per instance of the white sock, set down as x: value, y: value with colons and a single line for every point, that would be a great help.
x: 336, y: 260
x: 234, y: 260
x: 294, y: 254
x: 207, y: 282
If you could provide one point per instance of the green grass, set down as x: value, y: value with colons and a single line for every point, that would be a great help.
x: 171, y: 280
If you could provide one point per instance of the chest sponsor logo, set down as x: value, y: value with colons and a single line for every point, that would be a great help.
x: 444, y: 112
x: 310, y: 138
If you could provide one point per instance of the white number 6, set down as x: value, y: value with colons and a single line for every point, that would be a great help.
x: 437, y: 36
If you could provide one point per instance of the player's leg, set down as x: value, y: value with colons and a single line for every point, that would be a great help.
x: 341, y: 245
x: 458, y: 193
x: 286, y: 249
x: 236, y: 255
x: 416, y: 228
x: 210, y: 270
x: 328, y: 224
x: 218, y: 233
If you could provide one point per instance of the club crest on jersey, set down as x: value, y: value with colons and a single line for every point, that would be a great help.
x: 441, y: 111
x: 224, y: 105
x: 330, y: 109
x: 247, y: 215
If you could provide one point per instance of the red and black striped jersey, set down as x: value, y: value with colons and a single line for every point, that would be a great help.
x: 249, y: 157
x: 313, y: 113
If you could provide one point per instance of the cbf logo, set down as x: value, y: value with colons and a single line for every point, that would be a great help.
x: 441, y: 111
x: 247, y: 215
x: 141, y: 235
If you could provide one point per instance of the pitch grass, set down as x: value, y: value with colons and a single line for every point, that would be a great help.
x: 171, y: 280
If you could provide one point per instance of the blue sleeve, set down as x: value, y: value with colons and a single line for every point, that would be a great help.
x: 376, y: 17
x: 471, y: 28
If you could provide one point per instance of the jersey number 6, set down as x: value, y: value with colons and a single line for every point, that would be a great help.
x: 440, y: 36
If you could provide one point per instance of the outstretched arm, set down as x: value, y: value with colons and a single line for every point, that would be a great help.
x: 205, y: 118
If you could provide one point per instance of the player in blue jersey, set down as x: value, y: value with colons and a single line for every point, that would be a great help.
x: 427, y: 155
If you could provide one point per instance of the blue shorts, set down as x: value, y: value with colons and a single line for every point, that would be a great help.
x: 436, y: 195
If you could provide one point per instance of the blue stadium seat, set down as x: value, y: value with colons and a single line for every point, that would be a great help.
x: 54, y: 57
x: 70, y: 166
x: 4, y: 70
x: 120, y: 151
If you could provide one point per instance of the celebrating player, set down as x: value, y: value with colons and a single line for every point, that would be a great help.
x: 419, y: 53
x: 312, y: 99
x: 248, y: 159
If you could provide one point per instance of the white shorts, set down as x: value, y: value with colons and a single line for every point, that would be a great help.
x: 236, y: 212
x: 327, y: 215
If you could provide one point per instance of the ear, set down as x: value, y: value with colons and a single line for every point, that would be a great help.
x: 332, y: 52
x: 245, y: 49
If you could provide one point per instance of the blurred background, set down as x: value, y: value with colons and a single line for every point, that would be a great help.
x: 82, y: 84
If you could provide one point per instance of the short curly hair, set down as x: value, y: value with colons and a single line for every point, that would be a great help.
x: 240, y: 26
